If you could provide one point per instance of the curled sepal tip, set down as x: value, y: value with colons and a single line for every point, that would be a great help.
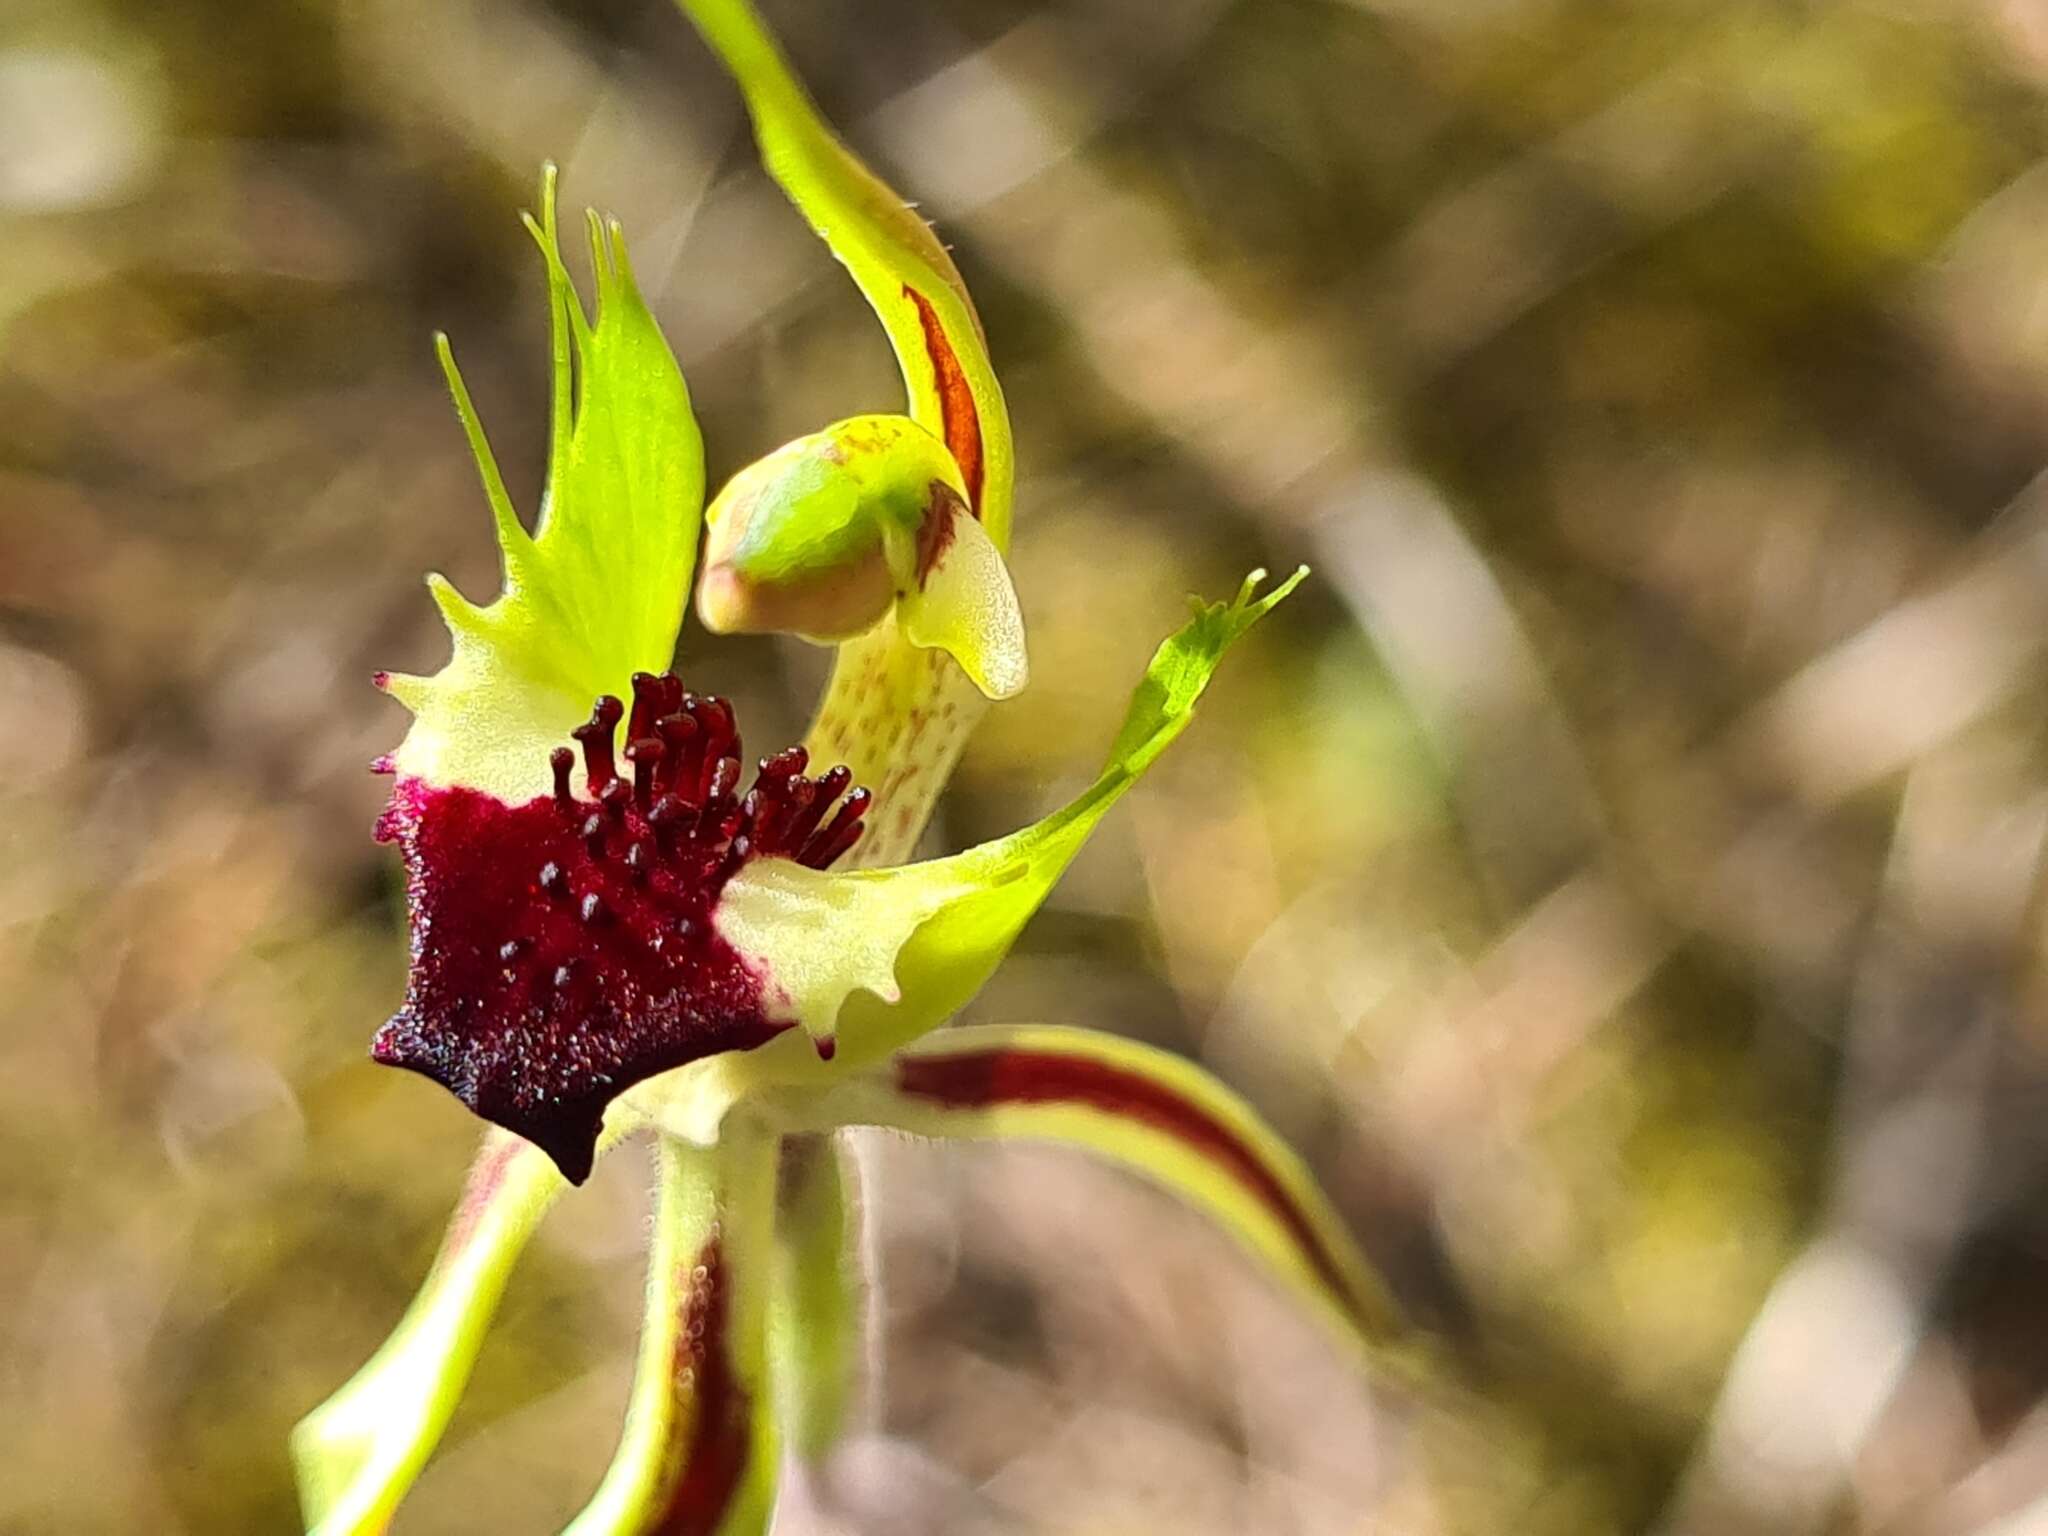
x: 826, y: 535
x: 876, y: 957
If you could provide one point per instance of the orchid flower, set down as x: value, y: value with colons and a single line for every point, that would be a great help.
x: 611, y: 938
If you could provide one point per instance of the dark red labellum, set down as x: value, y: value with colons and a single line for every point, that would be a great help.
x: 563, y: 950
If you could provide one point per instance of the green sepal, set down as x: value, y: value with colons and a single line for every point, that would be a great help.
x: 659, y: 1418
x: 817, y: 1321
x: 894, y: 713
x: 597, y: 592
x: 357, y: 1454
x: 1143, y: 1109
x: 874, y: 958
x: 900, y: 266
x: 700, y: 1447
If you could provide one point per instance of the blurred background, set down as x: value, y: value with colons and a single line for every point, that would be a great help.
x: 1618, y: 870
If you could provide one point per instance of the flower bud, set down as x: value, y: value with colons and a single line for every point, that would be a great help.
x: 820, y: 537
x: 828, y: 534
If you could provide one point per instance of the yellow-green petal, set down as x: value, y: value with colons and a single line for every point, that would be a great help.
x: 597, y: 591
x: 358, y: 1453
x: 872, y: 959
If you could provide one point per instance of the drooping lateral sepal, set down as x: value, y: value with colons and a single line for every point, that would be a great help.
x: 874, y: 958
x: 818, y: 1307
x: 699, y: 1451
x: 357, y: 1454
x: 1141, y: 1108
x: 597, y: 591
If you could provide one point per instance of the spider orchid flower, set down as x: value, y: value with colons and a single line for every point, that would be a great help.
x: 612, y: 935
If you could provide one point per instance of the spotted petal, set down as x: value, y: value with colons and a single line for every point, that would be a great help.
x: 561, y: 952
x: 549, y: 969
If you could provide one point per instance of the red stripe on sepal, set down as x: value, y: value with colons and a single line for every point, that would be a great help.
x: 986, y: 1079
x: 958, y: 412
x: 721, y: 1429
